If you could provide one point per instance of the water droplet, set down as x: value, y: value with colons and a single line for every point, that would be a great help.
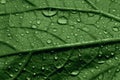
x: 116, y: 58
x: 68, y: 37
x: 21, y: 17
x: 34, y: 74
x: 33, y: 67
x: 49, y: 41
x: 34, y: 26
x: 74, y: 73
x: 55, y: 57
x: 116, y: 29
x: 112, y: 53
x: 54, y: 29
x: 9, y: 35
x: 59, y: 66
x: 27, y: 32
x: 85, y: 29
x: 62, y: 20
x: 101, y: 62
x: 3, y: 1
x: 20, y: 64
x: 38, y: 21
x: 49, y: 13
x: 16, y: 70
x: 78, y: 20
x: 43, y: 68
x: 11, y: 75
x: 28, y: 78
x: 22, y: 34
x: 118, y: 70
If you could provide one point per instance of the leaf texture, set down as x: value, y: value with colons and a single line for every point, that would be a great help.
x: 59, y: 40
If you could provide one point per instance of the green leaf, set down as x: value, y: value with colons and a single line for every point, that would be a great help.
x: 59, y: 40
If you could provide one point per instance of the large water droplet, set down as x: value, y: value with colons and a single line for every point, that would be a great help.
x: 49, y: 13
x: 62, y: 20
x: 74, y: 73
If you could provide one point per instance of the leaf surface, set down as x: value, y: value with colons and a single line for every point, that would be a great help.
x: 59, y: 40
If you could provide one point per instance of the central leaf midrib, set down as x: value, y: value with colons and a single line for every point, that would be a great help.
x: 65, y: 46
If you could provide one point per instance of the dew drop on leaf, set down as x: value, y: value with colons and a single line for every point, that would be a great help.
x: 101, y: 62
x: 116, y: 29
x: 27, y: 32
x: 74, y: 73
x: 62, y: 20
x: 78, y: 20
x: 49, y: 13
x: 43, y: 68
x: 9, y: 35
x: 55, y: 57
x: 85, y: 29
x: 49, y: 41
x: 3, y: 1
x: 20, y: 64
x: 34, y: 26
x: 38, y: 22
x: 59, y: 66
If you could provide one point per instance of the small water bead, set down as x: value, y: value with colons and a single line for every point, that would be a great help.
x: 85, y: 29
x: 62, y: 20
x: 76, y: 34
x: 54, y: 29
x: 56, y: 58
x: 49, y: 41
x: 74, y: 73
x: 20, y: 64
x: 59, y: 66
x: 3, y: 1
x: 43, y: 68
x: 27, y: 32
x: 16, y: 70
x: 21, y: 17
x: 38, y: 22
x: 34, y: 26
x: 49, y: 13
x: 101, y: 62
x: 68, y: 37
x: 22, y: 34
x: 112, y: 53
x: 33, y: 67
x: 116, y: 58
x: 11, y: 75
x: 78, y: 20
x: 116, y: 29
x: 118, y: 70
x: 28, y: 78
x: 9, y: 35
